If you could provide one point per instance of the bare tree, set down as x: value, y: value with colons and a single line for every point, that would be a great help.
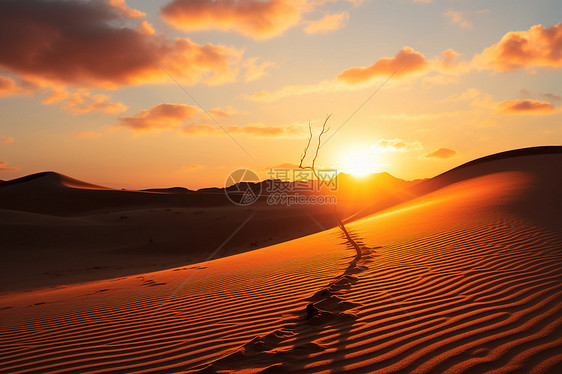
x: 324, y: 130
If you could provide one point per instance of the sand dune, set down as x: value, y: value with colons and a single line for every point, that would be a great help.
x: 50, y: 179
x: 57, y: 230
x: 463, y: 279
x: 44, y: 250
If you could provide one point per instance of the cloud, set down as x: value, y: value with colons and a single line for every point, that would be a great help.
x: 4, y: 167
x: 551, y: 97
x: 90, y: 44
x: 396, y: 145
x: 255, y: 71
x: 407, y: 59
x: 526, y: 94
x: 526, y: 106
x: 458, y: 18
x: 449, y: 58
x: 6, y: 139
x: 223, y: 112
x: 537, y: 47
x: 329, y: 22
x: 254, y: 18
x: 441, y: 153
x: 160, y: 117
x: 254, y: 130
x: 83, y: 102
x: 189, y: 119
x: 124, y: 9
x: 146, y: 28
x: 9, y: 87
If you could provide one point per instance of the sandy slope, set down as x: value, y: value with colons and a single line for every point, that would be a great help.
x: 176, y: 318
x: 467, y: 278
x: 43, y: 250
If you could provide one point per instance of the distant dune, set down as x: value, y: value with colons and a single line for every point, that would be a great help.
x: 464, y: 278
x: 50, y: 179
x: 179, y: 190
x: 59, y: 230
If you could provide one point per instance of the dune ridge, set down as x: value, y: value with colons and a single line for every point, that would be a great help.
x: 52, y: 179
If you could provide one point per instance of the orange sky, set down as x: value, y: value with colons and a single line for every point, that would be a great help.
x: 179, y: 93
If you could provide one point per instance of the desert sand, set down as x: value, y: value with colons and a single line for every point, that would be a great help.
x: 59, y: 230
x: 463, y: 274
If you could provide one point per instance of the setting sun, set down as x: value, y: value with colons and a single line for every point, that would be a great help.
x: 359, y: 162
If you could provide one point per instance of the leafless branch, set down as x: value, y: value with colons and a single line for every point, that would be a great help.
x: 313, y: 165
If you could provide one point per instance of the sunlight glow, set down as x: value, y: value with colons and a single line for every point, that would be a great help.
x: 359, y: 162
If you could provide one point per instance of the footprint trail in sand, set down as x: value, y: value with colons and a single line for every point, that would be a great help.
x: 327, y: 308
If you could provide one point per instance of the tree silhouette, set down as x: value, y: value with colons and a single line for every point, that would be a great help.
x: 324, y: 130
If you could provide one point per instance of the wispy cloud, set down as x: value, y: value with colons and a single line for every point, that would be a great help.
x: 551, y: 97
x: 254, y: 130
x: 160, y: 117
x: 458, y: 18
x: 255, y: 70
x: 219, y: 112
x: 485, y: 101
x: 191, y: 120
x: 81, y: 102
x: 526, y: 106
x: 4, y: 167
x: 6, y: 139
x: 441, y: 153
x: 328, y: 23
x: 9, y: 87
x: 396, y: 145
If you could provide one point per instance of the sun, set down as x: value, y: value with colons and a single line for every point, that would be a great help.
x: 359, y: 162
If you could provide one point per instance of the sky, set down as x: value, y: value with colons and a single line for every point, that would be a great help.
x: 147, y: 93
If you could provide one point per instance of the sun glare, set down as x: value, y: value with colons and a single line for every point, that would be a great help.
x: 359, y: 163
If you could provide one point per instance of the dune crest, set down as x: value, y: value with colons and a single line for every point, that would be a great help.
x: 51, y: 179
